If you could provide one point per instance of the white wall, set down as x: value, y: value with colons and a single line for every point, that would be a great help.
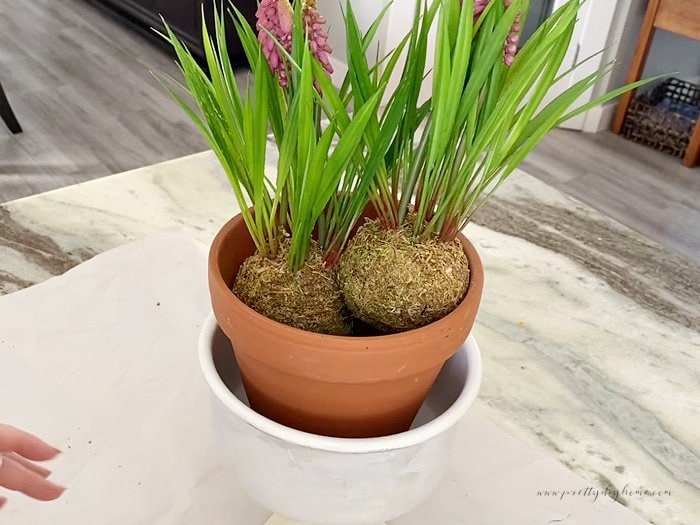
x: 366, y: 12
x: 396, y: 24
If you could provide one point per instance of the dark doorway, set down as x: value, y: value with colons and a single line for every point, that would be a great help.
x: 539, y: 11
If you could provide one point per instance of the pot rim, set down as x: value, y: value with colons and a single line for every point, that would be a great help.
x: 406, y: 439
x: 474, y: 290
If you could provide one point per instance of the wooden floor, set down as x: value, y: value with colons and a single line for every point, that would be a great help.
x: 643, y: 189
x: 80, y: 84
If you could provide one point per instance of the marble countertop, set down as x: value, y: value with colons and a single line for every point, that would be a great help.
x: 590, y: 333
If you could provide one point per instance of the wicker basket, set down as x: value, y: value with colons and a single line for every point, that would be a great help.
x: 664, y: 118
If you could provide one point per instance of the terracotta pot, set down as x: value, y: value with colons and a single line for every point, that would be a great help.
x: 333, y: 385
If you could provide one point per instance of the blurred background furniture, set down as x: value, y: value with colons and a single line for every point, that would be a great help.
x: 664, y: 116
x: 678, y: 16
x: 7, y: 115
x: 183, y: 16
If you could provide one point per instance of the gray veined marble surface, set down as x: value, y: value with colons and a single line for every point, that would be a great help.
x: 590, y: 333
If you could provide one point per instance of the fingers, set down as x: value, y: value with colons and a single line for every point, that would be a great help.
x: 18, y: 473
x: 31, y: 447
x: 43, y: 472
x: 15, y: 476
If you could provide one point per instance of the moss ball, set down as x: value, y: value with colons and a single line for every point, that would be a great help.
x: 309, y: 299
x: 395, y: 283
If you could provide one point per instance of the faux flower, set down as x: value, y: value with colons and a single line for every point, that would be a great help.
x: 275, y: 24
x: 318, y: 37
x: 479, y: 6
x: 510, y: 48
x: 275, y: 21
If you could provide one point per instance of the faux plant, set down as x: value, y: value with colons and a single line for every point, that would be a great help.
x: 287, y: 279
x: 487, y: 112
x: 425, y: 166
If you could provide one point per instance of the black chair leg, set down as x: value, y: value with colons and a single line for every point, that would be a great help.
x: 7, y: 115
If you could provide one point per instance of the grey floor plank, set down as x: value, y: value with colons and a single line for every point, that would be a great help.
x: 648, y: 191
x: 81, y: 85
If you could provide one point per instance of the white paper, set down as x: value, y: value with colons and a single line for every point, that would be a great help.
x: 102, y: 362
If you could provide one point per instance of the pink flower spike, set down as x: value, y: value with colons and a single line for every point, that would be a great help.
x: 318, y: 38
x: 510, y: 48
x: 275, y: 22
x: 479, y: 6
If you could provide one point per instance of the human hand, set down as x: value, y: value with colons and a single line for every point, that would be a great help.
x: 18, y: 451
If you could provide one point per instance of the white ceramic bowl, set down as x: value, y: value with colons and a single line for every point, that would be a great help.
x: 323, y: 480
